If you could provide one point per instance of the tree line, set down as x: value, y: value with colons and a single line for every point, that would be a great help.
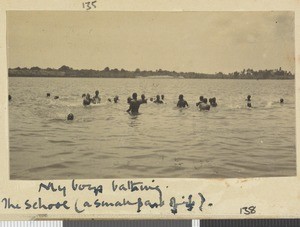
x: 66, y: 71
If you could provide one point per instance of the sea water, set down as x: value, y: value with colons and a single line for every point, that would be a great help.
x: 104, y: 141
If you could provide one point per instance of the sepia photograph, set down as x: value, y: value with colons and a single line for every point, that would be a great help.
x: 123, y: 94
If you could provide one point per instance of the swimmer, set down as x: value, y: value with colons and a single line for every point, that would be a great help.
x: 56, y: 97
x: 249, y: 101
x: 9, y: 98
x: 70, y: 117
x: 109, y: 99
x: 128, y: 100
x: 96, y: 98
x: 281, y: 100
x: 200, y: 100
x: 181, y: 102
x: 87, y: 100
x: 213, y: 102
x: 134, y: 104
x: 163, y: 97
x: 151, y: 99
x: 116, y: 99
x: 158, y: 101
x: 83, y: 95
x: 48, y: 94
x: 204, y: 105
x: 143, y: 99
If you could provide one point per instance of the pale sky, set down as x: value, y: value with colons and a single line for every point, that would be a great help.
x: 205, y: 42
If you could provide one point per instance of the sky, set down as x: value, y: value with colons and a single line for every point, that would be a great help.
x: 204, y: 42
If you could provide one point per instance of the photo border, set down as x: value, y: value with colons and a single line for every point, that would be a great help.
x: 274, y: 197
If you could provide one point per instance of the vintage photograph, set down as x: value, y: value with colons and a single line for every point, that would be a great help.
x: 151, y: 94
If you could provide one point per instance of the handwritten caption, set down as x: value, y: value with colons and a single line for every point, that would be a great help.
x: 140, y: 196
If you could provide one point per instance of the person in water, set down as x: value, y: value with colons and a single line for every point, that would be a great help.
x: 151, y: 99
x: 96, y: 98
x: 213, y: 102
x: 281, y: 100
x: 48, y: 94
x: 9, y: 98
x: 143, y: 98
x: 157, y: 100
x: 87, y: 100
x: 116, y: 99
x: 83, y: 95
x: 56, y: 97
x: 181, y: 102
x: 204, y: 105
x: 248, y: 99
x: 134, y: 104
x: 200, y: 100
x: 163, y: 97
x: 70, y: 117
x: 129, y: 100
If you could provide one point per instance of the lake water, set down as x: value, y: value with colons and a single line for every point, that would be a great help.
x: 104, y: 141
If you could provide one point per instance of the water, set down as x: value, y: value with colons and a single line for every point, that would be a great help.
x: 105, y: 142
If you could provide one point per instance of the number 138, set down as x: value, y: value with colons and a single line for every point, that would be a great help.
x: 248, y: 210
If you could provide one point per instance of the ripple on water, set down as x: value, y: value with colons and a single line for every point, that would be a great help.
x: 164, y: 141
x: 52, y: 166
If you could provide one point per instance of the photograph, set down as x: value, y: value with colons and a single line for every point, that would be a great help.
x: 156, y: 94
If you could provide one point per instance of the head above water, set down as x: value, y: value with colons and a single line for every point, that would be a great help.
x: 249, y: 97
x: 134, y: 95
x: 97, y: 92
x: 9, y: 97
x: 143, y: 96
x: 128, y: 99
x: 205, y: 100
x: 83, y: 95
x: 158, y: 97
x: 201, y: 98
x: 88, y: 95
x: 180, y: 97
x: 70, y: 117
x: 281, y: 100
x: 48, y: 94
x: 116, y: 98
x: 162, y: 97
x: 151, y: 99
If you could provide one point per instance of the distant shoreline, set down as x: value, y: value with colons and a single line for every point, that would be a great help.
x: 213, y: 78
x: 67, y: 72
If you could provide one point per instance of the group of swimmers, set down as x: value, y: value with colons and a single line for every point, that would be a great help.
x: 134, y: 102
x: 55, y: 97
x: 160, y: 99
x: 87, y: 100
x: 248, y: 100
